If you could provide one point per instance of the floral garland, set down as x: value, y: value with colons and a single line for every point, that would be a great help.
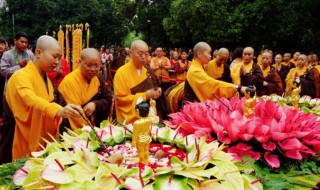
x: 75, y: 162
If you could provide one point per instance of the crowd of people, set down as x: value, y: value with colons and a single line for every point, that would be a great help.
x: 41, y: 96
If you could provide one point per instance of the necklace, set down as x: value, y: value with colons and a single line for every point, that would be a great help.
x: 15, y: 55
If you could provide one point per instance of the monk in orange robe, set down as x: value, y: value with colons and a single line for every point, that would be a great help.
x: 83, y: 87
x: 247, y: 73
x: 199, y: 86
x: 217, y: 68
x: 30, y: 94
x: 133, y: 81
x: 304, y: 76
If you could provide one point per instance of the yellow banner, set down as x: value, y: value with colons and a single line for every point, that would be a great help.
x: 88, y: 34
x: 61, y: 40
x: 68, y: 27
x: 76, y: 46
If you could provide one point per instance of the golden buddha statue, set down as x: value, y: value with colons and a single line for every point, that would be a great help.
x: 142, y: 125
x: 250, y: 102
x: 295, y: 94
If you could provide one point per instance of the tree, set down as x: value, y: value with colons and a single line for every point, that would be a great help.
x: 36, y: 17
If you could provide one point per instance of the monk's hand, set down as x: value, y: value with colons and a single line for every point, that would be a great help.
x: 154, y: 93
x: 70, y: 110
x: 89, y: 108
x: 242, y: 70
x: 265, y: 83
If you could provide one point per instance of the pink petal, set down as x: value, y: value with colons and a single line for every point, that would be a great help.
x: 223, y: 137
x: 269, y: 146
x: 290, y: 144
x: 272, y: 160
x: 294, y: 154
x: 243, y: 147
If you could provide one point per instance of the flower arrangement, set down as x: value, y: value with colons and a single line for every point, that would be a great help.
x: 78, y: 161
x: 275, y: 135
x: 307, y: 104
x: 273, y: 130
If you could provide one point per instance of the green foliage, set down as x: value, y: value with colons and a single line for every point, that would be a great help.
x: 40, y: 16
x: 7, y: 170
x: 278, y: 24
x: 131, y: 37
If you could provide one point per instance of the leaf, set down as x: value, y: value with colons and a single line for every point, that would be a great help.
x: 162, y: 182
x: 229, y: 172
x: 54, y: 174
x: 64, y: 158
x: 34, y: 175
x: 82, y: 172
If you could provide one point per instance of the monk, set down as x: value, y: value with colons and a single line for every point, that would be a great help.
x: 133, y: 81
x: 315, y: 59
x: 247, y: 73
x: 304, y: 76
x: 199, y: 86
x: 277, y: 62
x: 272, y: 83
x: 29, y: 95
x: 217, y: 68
x: 294, y: 60
x: 83, y: 87
x: 286, y: 65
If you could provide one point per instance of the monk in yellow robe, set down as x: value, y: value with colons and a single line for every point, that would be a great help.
x: 29, y: 95
x: 294, y: 60
x: 272, y: 83
x: 198, y: 85
x: 174, y: 96
x: 83, y: 87
x: 217, y: 68
x: 247, y: 73
x: 133, y: 81
x: 305, y: 76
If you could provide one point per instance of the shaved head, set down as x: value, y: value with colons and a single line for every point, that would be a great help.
x: 89, y: 52
x: 267, y: 54
x: 139, y: 52
x: 223, y: 51
x: 247, y: 55
x: 137, y: 44
x: 201, y: 47
x: 222, y: 57
x: 45, y: 42
x: 249, y: 49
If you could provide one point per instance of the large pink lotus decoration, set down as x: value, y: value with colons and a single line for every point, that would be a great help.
x: 273, y: 130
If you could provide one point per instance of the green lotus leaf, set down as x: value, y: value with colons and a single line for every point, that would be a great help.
x: 33, y: 175
x: 163, y: 182
x: 86, y: 185
x: 118, y: 134
x: 205, y: 185
x: 229, y: 173
x: 82, y: 172
x: 249, y: 183
x: 91, y: 158
x: 64, y: 158
x: 55, y: 174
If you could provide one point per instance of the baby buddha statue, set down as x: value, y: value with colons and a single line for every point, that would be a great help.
x: 295, y: 94
x: 250, y: 101
x: 142, y: 125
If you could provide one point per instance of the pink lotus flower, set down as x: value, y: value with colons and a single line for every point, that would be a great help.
x: 242, y: 149
x: 272, y: 160
x: 297, y: 134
